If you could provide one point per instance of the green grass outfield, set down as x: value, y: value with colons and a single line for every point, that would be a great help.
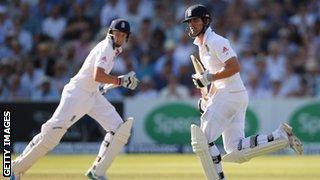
x: 179, y: 167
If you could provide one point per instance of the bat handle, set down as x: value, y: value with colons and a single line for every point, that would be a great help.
x: 204, y: 94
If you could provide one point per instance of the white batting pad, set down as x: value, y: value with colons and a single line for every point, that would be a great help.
x: 244, y: 155
x: 200, y: 147
x: 44, y: 143
x: 119, y: 139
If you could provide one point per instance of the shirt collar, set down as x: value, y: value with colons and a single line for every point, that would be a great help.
x: 205, y: 37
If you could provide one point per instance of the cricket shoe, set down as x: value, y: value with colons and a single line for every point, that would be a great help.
x: 15, y: 176
x: 294, y: 142
x: 92, y: 176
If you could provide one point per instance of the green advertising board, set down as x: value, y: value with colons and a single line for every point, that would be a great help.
x: 306, y: 122
x: 252, y: 123
x: 170, y: 123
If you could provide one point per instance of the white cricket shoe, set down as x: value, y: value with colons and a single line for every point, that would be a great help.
x: 92, y: 176
x: 294, y: 142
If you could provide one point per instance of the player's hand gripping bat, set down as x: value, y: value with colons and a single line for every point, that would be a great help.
x: 199, y: 69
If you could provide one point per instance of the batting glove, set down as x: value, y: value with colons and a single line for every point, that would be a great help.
x: 128, y: 80
x: 202, y: 80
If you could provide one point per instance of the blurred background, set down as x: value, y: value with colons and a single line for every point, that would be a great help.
x: 43, y: 43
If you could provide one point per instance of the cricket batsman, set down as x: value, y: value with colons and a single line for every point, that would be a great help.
x: 225, y: 105
x: 81, y: 96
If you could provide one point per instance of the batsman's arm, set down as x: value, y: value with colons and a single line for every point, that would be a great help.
x: 100, y: 76
x: 231, y: 67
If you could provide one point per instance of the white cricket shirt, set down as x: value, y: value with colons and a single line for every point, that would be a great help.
x: 102, y: 55
x: 214, y: 52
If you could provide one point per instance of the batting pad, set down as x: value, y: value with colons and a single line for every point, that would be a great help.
x: 46, y: 141
x: 119, y: 139
x: 200, y: 147
x: 244, y: 155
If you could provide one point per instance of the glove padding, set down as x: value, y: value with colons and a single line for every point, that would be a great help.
x: 202, y: 105
x: 129, y: 80
x: 202, y: 80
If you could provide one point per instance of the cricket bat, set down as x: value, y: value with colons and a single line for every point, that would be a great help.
x: 199, y: 69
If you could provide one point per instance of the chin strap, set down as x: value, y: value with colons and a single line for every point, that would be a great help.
x: 114, y: 45
x: 194, y: 36
x: 204, y: 28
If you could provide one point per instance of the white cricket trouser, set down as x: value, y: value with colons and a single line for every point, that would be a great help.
x: 76, y: 102
x: 225, y: 114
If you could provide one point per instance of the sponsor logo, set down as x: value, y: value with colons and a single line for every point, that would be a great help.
x: 306, y: 122
x: 170, y: 123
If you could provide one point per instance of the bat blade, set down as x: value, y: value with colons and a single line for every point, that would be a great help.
x: 197, y: 65
x: 199, y: 69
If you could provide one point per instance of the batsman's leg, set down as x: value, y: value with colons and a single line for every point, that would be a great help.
x: 258, y: 145
x: 210, y: 158
x: 218, y: 115
x: 73, y: 105
x: 109, y: 149
x: 49, y: 137
x: 34, y: 141
x: 216, y: 157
